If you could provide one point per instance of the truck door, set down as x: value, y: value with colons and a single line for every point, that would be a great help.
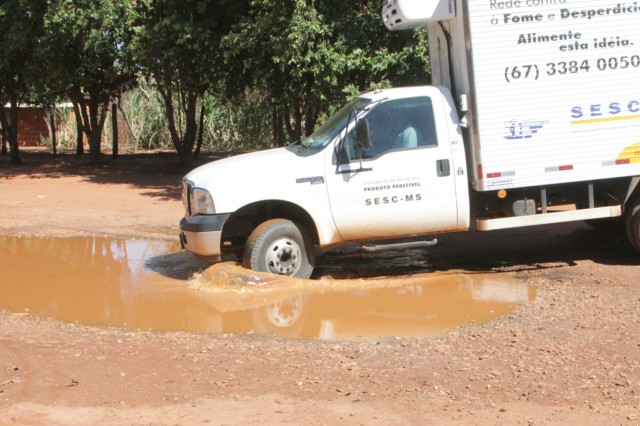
x: 402, y: 185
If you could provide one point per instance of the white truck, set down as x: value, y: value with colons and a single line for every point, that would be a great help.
x: 533, y: 118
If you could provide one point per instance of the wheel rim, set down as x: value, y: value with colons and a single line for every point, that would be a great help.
x: 283, y: 256
x: 285, y: 313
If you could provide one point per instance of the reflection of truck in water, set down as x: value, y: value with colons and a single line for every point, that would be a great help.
x: 410, y: 163
x: 428, y: 306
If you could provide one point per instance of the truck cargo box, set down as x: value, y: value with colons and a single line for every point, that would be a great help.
x: 552, y: 88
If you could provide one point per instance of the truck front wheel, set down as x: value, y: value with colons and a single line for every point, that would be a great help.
x: 633, y: 223
x: 281, y: 247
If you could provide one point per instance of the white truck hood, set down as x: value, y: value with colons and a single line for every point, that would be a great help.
x: 275, y: 174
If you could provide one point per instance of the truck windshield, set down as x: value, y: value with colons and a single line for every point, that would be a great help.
x: 334, y: 125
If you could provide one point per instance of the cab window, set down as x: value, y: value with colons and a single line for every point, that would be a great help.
x: 397, y: 125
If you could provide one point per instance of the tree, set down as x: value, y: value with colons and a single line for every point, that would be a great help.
x: 20, y: 29
x: 87, y: 45
x: 310, y: 55
x: 178, y: 50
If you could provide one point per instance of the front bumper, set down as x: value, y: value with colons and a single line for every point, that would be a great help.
x: 201, y: 235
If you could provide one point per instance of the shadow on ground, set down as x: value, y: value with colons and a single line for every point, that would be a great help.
x: 543, y: 247
x: 159, y: 171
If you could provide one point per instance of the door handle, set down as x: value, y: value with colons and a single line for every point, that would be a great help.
x: 443, y: 167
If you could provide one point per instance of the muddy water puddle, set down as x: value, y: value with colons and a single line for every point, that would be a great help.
x: 142, y: 284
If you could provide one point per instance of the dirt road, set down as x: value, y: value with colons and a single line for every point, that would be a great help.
x: 570, y: 357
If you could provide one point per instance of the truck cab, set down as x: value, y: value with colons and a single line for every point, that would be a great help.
x: 389, y: 164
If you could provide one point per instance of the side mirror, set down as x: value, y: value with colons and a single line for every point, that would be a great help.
x: 362, y: 134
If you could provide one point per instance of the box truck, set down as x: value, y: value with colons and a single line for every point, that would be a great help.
x: 532, y: 118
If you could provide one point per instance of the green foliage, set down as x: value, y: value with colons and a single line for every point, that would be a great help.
x: 262, y: 69
x: 227, y: 126
x: 178, y: 49
x: 20, y: 70
x: 143, y: 111
x: 238, y: 126
x: 20, y: 28
x: 87, y: 47
x: 65, y: 127
x: 179, y: 40
x: 309, y: 56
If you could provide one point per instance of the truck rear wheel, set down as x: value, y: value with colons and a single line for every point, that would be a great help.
x: 632, y: 219
x: 281, y: 247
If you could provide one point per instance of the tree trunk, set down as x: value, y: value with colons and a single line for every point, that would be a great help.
x: 10, y: 128
x: 114, y: 125
x: 96, y: 119
x: 293, y: 125
x: 95, y: 155
x: 310, y: 119
x: 298, y: 125
x: 182, y: 141
x: 13, y: 133
x: 200, y: 134
x: 4, y: 142
x: 278, y: 126
x: 191, y: 129
x: 80, y: 138
x: 52, y: 125
x: 92, y: 113
x: 78, y: 106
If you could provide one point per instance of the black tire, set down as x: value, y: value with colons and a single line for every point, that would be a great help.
x: 281, y: 247
x: 632, y: 221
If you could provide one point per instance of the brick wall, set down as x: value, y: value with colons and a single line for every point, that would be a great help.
x: 32, y: 126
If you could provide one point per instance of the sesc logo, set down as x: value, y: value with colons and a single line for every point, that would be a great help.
x: 605, y: 110
x: 523, y: 129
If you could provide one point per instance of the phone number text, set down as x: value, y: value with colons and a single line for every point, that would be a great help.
x: 515, y: 73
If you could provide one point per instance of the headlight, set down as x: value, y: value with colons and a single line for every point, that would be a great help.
x: 201, y: 202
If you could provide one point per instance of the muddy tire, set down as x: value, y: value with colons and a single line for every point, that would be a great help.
x: 632, y: 221
x: 281, y: 247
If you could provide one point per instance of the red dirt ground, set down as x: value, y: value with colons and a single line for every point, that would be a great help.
x: 570, y: 357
